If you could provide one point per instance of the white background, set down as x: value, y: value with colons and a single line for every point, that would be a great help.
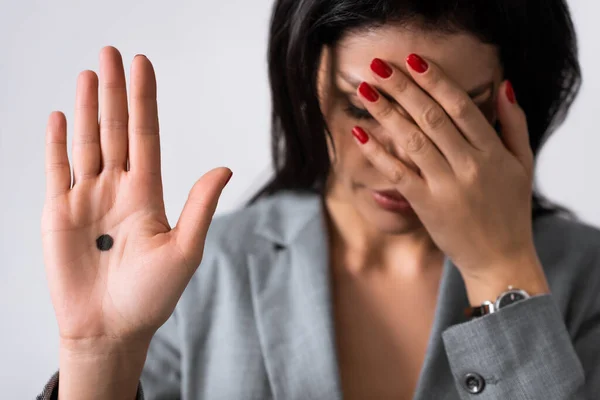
x: 210, y: 61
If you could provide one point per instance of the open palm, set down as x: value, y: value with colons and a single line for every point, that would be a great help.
x: 129, y: 290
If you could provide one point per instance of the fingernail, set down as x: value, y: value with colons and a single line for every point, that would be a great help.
x: 228, y: 179
x: 381, y: 68
x: 360, y: 134
x: 368, y: 92
x: 417, y: 63
x: 510, y: 92
x: 138, y: 55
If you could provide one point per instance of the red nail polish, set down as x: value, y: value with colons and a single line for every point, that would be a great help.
x: 510, y: 92
x: 417, y: 63
x: 368, y: 92
x: 381, y: 68
x: 360, y: 134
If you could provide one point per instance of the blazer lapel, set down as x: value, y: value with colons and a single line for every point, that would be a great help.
x: 289, y: 276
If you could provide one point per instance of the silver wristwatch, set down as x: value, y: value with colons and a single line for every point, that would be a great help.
x: 512, y: 295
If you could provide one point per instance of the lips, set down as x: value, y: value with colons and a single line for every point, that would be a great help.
x: 392, y: 194
x: 391, y: 200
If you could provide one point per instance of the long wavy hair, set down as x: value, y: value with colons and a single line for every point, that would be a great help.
x: 537, y: 47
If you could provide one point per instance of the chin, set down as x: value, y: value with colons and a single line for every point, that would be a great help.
x: 393, y: 226
x: 390, y: 222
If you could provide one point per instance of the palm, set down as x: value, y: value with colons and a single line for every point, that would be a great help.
x: 132, y: 288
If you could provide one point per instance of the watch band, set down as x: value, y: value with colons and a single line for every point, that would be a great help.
x: 510, y: 296
x: 486, y: 308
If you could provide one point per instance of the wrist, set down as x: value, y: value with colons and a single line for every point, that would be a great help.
x: 103, y: 345
x: 100, y: 369
x: 524, y: 273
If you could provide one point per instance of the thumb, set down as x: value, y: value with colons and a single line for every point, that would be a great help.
x: 189, y: 233
x: 513, y: 121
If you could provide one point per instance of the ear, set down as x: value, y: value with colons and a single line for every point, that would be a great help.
x: 513, y: 125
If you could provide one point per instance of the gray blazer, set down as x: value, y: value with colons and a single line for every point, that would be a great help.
x: 255, y: 322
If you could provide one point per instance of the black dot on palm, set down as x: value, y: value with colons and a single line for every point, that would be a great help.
x: 104, y: 242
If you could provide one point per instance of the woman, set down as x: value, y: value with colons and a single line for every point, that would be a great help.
x: 411, y: 259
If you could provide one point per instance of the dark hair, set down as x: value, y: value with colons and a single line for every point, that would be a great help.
x: 537, y: 47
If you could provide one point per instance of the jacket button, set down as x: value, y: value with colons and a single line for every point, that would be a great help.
x: 473, y: 383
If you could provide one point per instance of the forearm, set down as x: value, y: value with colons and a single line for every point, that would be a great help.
x: 99, y: 371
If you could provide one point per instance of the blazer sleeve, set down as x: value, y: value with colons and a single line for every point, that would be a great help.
x: 524, y: 351
x: 161, y: 376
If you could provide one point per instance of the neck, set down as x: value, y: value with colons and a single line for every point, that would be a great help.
x: 360, y: 247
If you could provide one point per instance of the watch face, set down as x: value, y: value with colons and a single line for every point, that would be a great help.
x: 509, y: 298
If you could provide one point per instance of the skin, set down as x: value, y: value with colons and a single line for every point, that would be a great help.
x: 105, y: 302
x: 386, y: 265
x: 377, y: 237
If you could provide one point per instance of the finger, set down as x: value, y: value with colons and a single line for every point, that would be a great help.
x: 144, y: 142
x: 86, y: 141
x: 416, y: 144
x: 113, y: 110
x: 190, y: 232
x: 58, y: 171
x: 408, y: 183
x: 467, y: 117
x: 425, y: 111
x: 513, y: 122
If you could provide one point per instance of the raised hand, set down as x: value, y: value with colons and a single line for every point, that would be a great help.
x: 473, y: 189
x: 115, y: 267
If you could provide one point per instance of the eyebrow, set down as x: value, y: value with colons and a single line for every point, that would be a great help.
x: 474, y: 92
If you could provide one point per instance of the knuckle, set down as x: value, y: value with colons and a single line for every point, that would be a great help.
x: 83, y: 139
x: 434, y: 117
x: 400, y: 85
x: 471, y: 170
x: 460, y: 108
x: 113, y: 124
x: 112, y: 164
x: 375, y: 152
x: 145, y: 130
x: 56, y: 166
x: 54, y: 141
x: 416, y: 142
x: 433, y: 78
x: 115, y: 85
x: 86, y: 175
x: 84, y: 105
x: 397, y: 175
x: 385, y: 111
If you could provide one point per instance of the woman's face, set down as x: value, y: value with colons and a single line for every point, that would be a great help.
x: 353, y: 179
